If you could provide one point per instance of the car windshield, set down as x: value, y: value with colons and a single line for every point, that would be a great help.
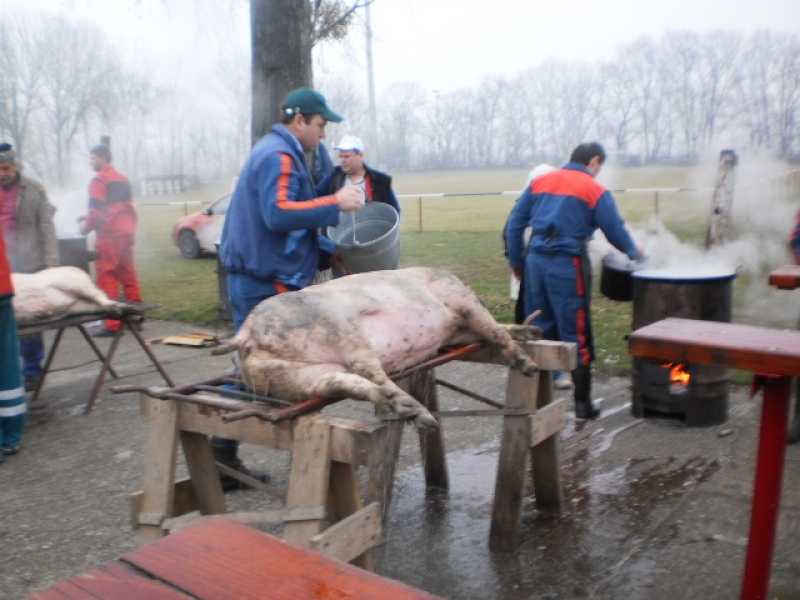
x: 221, y: 206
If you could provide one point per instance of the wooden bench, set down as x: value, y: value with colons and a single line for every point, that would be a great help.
x: 219, y: 558
x: 774, y: 356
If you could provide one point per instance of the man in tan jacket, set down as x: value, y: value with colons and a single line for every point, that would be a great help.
x: 26, y: 218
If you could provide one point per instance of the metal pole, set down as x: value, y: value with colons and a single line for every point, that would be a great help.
x: 419, y: 205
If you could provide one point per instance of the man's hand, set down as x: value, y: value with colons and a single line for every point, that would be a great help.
x: 517, y: 274
x: 350, y: 198
x: 338, y: 263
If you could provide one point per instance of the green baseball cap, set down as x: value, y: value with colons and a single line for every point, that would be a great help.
x: 305, y: 101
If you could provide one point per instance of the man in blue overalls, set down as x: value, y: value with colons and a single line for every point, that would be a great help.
x: 564, y: 208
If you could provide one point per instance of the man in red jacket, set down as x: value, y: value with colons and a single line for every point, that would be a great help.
x: 113, y: 216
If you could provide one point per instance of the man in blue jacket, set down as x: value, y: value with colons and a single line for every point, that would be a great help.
x: 564, y: 208
x: 270, y: 242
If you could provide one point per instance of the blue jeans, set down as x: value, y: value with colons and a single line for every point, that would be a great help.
x: 31, y: 348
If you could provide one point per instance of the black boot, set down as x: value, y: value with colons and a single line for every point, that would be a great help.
x: 225, y: 452
x: 582, y: 380
x: 794, y: 426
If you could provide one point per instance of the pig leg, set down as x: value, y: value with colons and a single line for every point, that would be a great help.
x: 387, y: 396
x: 479, y: 320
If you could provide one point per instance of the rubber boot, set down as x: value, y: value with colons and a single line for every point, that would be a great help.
x: 226, y: 452
x: 582, y: 380
x: 794, y: 426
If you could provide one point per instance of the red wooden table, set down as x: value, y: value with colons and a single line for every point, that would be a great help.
x: 219, y: 558
x: 774, y: 355
x: 785, y: 278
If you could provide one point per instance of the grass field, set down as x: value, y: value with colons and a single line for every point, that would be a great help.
x: 460, y: 233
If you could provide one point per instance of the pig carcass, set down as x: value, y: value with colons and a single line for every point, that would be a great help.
x: 59, y: 292
x: 341, y: 338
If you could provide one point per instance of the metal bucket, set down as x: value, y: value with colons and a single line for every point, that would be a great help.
x: 368, y: 239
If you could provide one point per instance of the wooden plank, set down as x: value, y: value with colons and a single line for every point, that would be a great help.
x: 250, y: 518
x: 549, y: 355
x: 353, y: 441
x: 545, y: 457
x: 350, y: 537
x: 203, y: 473
x: 786, y: 277
x: 183, y: 501
x: 422, y: 386
x: 309, y: 477
x: 344, y: 500
x: 160, y: 466
x: 218, y: 558
x: 548, y: 421
x: 759, y: 349
x: 509, y: 489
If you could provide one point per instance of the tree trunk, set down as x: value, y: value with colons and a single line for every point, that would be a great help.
x: 722, y: 204
x: 281, y: 50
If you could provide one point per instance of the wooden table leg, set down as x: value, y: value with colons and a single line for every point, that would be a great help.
x: 101, y: 377
x: 50, y: 356
x: 203, y: 473
x: 422, y: 386
x: 515, y: 447
x: 93, y: 345
x: 767, y: 489
x: 545, y: 460
x: 160, y: 466
x: 309, y: 477
x: 345, y: 500
x: 133, y: 326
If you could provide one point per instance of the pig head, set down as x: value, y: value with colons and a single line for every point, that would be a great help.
x: 340, y: 339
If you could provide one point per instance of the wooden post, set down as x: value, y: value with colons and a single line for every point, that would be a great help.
x: 722, y: 202
x: 309, y: 477
x: 422, y: 386
x: 160, y: 466
x: 515, y: 447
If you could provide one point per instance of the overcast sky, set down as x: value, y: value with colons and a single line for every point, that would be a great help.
x: 442, y: 44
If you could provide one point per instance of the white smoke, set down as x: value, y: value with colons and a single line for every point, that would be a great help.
x: 766, y: 200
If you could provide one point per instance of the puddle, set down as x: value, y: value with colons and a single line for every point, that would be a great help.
x: 439, y: 542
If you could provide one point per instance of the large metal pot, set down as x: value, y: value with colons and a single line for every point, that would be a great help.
x: 616, y: 278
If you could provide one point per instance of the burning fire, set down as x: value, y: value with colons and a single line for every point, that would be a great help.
x: 678, y: 374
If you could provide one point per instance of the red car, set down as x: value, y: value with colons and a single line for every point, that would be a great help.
x: 198, y: 232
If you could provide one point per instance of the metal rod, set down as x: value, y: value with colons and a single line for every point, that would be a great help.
x: 470, y: 394
x: 439, y: 360
x: 243, y: 395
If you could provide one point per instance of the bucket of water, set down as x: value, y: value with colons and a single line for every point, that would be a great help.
x: 368, y: 239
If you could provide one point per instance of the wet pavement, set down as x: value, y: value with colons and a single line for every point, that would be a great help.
x: 654, y: 509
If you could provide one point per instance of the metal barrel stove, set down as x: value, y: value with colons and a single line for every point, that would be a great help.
x: 696, y: 394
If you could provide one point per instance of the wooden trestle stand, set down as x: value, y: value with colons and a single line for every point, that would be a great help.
x: 326, y: 452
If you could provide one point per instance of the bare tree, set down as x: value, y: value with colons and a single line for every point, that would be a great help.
x: 400, y: 122
x: 78, y: 70
x: 20, y: 78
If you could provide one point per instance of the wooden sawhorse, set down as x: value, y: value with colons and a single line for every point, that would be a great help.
x: 532, y: 420
x: 326, y: 452
x: 757, y: 349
